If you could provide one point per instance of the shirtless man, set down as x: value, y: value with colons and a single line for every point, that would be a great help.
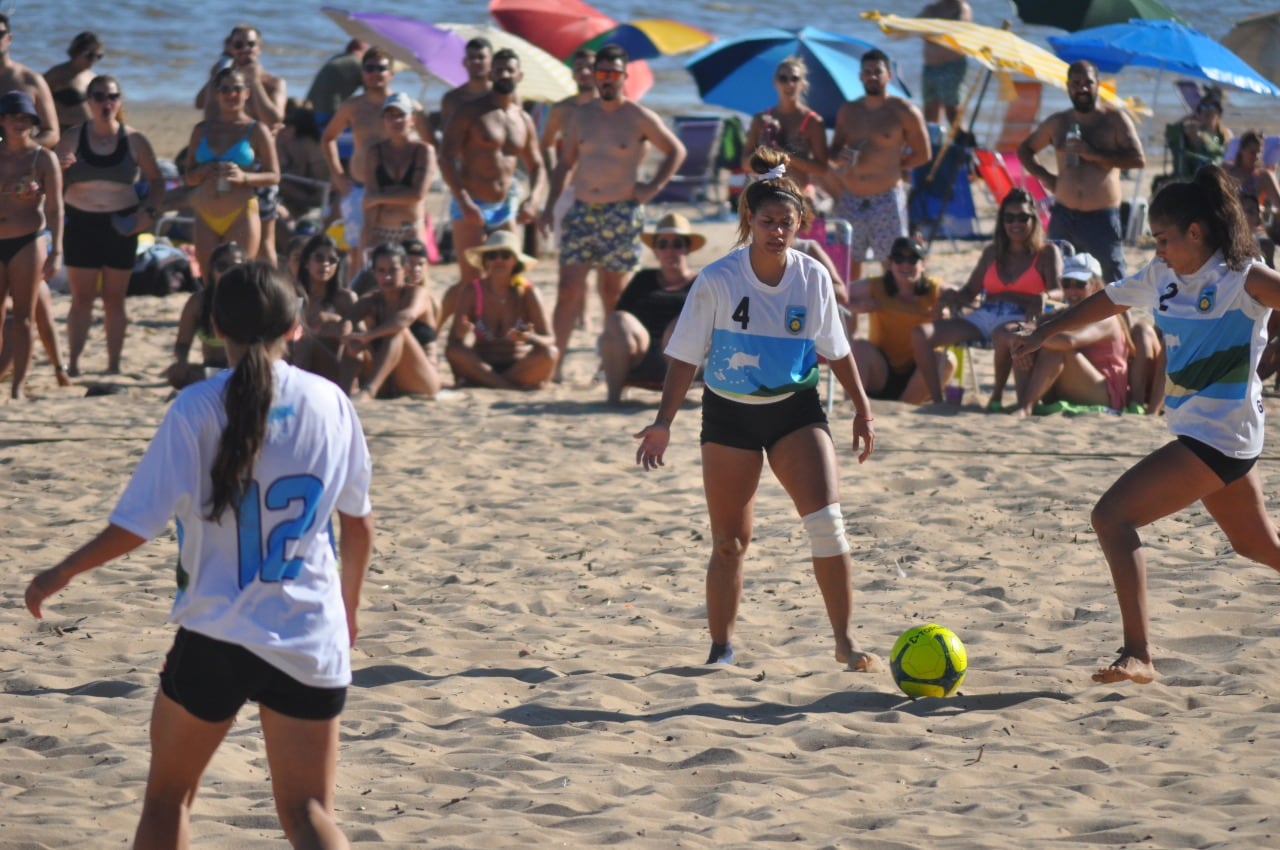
x: 483, y: 142
x: 477, y: 60
x: 605, y: 142
x: 266, y: 105
x: 584, y: 62
x: 1086, y: 189
x: 363, y: 114
x: 878, y: 139
x: 14, y: 76
x: 943, y: 69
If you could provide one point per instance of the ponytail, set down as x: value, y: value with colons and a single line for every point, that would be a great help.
x: 1210, y: 200
x: 767, y: 189
x: 253, y: 306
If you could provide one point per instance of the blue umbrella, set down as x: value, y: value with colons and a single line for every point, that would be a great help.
x: 738, y: 73
x: 1164, y: 45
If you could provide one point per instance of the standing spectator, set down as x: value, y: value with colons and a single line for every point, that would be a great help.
x: 944, y: 69
x: 1093, y: 143
x: 69, y: 81
x: 398, y: 173
x: 103, y: 160
x: 14, y: 76
x: 336, y: 81
x: 478, y: 60
x: 791, y: 126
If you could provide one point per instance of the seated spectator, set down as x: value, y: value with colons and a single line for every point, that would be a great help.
x: 636, y: 333
x: 302, y: 158
x: 416, y: 264
x: 500, y: 336
x: 196, y: 320
x: 326, y: 302
x: 1204, y: 136
x: 1014, y: 275
x: 897, y: 302
x: 389, y: 355
x: 1252, y: 174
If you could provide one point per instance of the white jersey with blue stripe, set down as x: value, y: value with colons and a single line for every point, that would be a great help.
x: 265, y: 576
x: 1214, y: 332
x: 760, y: 343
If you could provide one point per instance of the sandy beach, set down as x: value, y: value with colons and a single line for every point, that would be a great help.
x: 528, y: 671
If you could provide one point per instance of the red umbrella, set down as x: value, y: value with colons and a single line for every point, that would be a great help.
x: 562, y: 26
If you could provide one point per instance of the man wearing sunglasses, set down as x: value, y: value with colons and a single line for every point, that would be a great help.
x: 14, y: 76
x: 878, y: 139
x: 605, y: 142
x: 363, y: 114
x: 1092, y: 143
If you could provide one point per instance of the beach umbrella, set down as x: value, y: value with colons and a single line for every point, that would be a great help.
x: 997, y: 50
x: 560, y: 27
x: 422, y: 47
x: 1256, y: 40
x: 546, y: 78
x: 737, y: 73
x: 1083, y: 14
x: 1165, y: 46
x: 646, y: 39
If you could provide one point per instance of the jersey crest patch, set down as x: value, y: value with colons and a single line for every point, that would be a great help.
x: 795, y: 319
x: 1205, y: 302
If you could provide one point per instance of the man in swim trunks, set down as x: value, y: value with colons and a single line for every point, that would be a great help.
x: 552, y: 140
x: 878, y: 139
x: 604, y: 143
x: 1086, y: 189
x: 363, y: 114
x: 484, y: 141
x: 14, y: 76
x: 943, y: 69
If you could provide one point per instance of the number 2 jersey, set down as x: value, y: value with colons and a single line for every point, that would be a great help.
x: 1214, y: 332
x: 268, y: 578
x: 760, y: 343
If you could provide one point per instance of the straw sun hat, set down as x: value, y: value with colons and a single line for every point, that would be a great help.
x: 500, y: 240
x: 674, y: 224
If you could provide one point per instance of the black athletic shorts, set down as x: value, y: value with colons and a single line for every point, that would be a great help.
x: 758, y: 426
x: 212, y: 679
x: 1224, y: 466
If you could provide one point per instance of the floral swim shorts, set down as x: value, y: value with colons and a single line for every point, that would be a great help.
x: 604, y: 235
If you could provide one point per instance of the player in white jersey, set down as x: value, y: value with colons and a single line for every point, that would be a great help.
x: 252, y: 462
x: 1211, y: 300
x: 760, y: 318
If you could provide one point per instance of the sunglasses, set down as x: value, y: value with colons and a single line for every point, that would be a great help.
x: 236, y: 89
x: 374, y: 68
x: 104, y: 96
x: 664, y: 244
x: 241, y: 45
x: 1072, y: 283
x: 906, y: 258
x: 499, y: 255
x: 1018, y: 218
x: 608, y: 75
x: 783, y: 78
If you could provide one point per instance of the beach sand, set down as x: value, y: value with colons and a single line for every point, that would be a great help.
x: 528, y: 670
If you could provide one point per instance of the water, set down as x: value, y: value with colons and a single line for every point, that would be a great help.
x: 162, y: 52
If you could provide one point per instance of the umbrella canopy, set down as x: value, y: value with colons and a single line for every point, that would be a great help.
x: 738, y: 73
x: 996, y: 50
x: 560, y: 27
x: 1083, y: 14
x: 545, y: 77
x: 1256, y: 40
x: 1163, y: 45
x: 652, y: 37
x: 424, y: 48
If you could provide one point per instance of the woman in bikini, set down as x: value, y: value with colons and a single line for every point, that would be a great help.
x: 229, y: 158
x: 400, y: 169
x: 103, y: 159
x: 791, y: 126
x: 390, y: 355
x: 327, y: 302
x: 1014, y: 276
x: 30, y: 201
x: 500, y: 336
x: 69, y: 81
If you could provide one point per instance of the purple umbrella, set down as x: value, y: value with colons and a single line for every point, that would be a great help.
x: 421, y: 46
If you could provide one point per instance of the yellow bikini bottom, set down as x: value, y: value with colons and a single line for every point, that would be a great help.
x: 221, y: 224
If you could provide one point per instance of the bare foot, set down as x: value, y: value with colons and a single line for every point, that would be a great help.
x: 60, y: 373
x: 1126, y: 668
x: 862, y: 662
x: 361, y: 396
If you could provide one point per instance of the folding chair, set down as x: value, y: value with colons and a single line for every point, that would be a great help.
x: 835, y: 235
x: 698, y: 179
x: 993, y: 173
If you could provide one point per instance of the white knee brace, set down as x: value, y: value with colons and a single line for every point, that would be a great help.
x: 825, y: 528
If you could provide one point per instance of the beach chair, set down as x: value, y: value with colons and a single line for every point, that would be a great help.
x: 1025, y: 180
x: 1021, y: 115
x: 990, y: 167
x: 940, y: 201
x: 698, y: 179
x: 1189, y: 91
x: 835, y: 235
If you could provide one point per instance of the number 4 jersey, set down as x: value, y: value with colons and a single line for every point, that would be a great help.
x: 761, y: 343
x: 264, y: 577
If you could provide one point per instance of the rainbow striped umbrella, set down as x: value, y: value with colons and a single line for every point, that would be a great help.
x: 651, y: 37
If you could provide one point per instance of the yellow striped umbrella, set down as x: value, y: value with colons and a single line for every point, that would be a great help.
x: 997, y: 50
